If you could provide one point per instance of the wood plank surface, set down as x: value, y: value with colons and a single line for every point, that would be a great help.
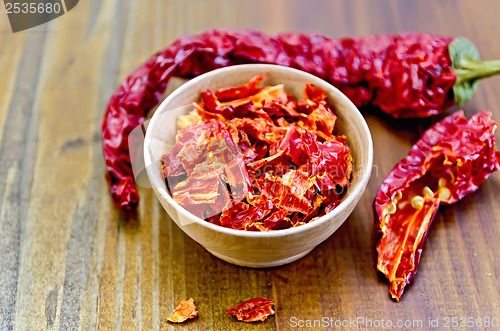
x: 69, y: 261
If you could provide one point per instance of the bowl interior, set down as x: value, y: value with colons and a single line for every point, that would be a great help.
x: 161, y: 131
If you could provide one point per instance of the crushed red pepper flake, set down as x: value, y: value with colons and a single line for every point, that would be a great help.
x: 184, y: 311
x: 255, y: 158
x: 253, y: 310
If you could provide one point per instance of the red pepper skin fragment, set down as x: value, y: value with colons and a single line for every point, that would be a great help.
x: 277, y: 220
x: 215, y: 168
x: 184, y: 311
x: 285, y: 194
x: 405, y: 75
x: 202, y: 195
x: 451, y: 159
x: 243, y: 216
x: 331, y: 161
x: 293, y: 146
x: 194, y: 132
x: 277, y: 109
x: 226, y: 154
x: 173, y: 171
x: 253, y: 310
x: 240, y: 92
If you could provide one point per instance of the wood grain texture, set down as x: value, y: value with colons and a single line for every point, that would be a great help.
x: 69, y: 261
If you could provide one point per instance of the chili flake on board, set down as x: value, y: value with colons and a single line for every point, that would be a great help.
x: 254, y: 158
x: 253, y: 310
x: 184, y: 311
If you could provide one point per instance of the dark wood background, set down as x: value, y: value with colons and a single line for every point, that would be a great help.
x: 68, y: 260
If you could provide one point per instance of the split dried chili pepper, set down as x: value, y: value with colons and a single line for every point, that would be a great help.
x: 406, y: 75
x: 252, y: 158
x: 184, y: 311
x: 253, y: 310
x: 452, y: 159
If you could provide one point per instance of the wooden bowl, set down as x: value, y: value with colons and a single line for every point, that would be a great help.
x: 245, y: 248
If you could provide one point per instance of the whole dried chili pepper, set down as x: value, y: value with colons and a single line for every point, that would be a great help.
x: 253, y: 310
x: 406, y: 75
x: 452, y: 159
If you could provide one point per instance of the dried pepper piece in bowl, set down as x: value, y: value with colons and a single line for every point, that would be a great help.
x: 254, y: 158
x: 253, y: 310
x: 452, y: 159
x: 406, y: 75
x: 184, y: 311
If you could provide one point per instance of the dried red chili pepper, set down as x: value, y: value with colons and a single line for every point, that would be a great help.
x: 452, y: 159
x: 299, y: 166
x: 184, y: 311
x: 407, y: 75
x: 253, y: 310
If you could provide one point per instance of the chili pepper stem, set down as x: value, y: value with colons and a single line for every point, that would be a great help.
x: 469, y: 69
x: 473, y: 70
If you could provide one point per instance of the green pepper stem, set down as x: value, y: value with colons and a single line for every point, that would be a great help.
x: 469, y: 69
x: 472, y: 70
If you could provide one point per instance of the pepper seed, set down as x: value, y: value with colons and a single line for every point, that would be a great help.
x: 444, y: 193
x: 417, y: 202
x: 428, y: 194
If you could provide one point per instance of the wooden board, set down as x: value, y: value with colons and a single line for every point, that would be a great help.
x: 69, y: 261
